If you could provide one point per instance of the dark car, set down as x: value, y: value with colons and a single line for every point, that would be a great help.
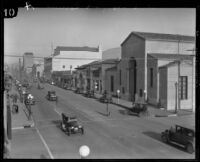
x: 89, y: 94
x: 52, y: 96
x: 78, y: 90
x: 180, y: 135
x: 29, y: 99
x: 139, y: 108
x: 70, y: 125
x: 106, y: 98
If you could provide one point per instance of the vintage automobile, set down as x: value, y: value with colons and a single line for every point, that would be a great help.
x: 140, y: 109
x: 29, y: 99
x: 181, y: 136
x: 40, y: 86
x: 52, y: 96
x: 78, y: 91
x: 106, y: 98
x: 70, y: 125
x: 89, y: 94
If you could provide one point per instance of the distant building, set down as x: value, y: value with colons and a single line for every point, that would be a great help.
x: 92, y: 76
x: 113, y: 53
x: 47, y: 68
x: 68, y: 58
x: 28, y: 62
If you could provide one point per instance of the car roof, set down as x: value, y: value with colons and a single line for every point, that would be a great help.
x: 186, y: 127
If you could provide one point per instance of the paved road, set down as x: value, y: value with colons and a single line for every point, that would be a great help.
x: 117, y: 136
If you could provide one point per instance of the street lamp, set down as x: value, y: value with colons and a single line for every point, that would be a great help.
x: 118, y: 91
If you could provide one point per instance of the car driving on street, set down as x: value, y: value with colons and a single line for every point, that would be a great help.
x: 51, y: 96
x: 29, y: 99
x: 180, y: 135
x: 70, y: 125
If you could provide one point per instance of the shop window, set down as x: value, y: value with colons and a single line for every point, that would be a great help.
x: 183, y: 91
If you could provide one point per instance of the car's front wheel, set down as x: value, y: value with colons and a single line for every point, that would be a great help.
x: 189, y: 148
x: 68, y: 132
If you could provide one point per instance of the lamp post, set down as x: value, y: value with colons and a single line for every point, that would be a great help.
x: 118, y: 91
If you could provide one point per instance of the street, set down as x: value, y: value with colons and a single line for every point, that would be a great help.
x: 118, y: 136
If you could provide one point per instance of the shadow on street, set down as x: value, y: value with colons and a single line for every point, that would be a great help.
x: 157, y: 136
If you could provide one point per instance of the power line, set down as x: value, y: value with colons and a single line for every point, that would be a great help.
x: 81, y: 58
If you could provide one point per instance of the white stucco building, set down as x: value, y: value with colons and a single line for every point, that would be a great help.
x: 68, y: 58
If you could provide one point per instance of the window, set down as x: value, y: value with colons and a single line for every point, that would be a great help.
x: 111, y: 83
x: 151, y: 77
x: 183, y: 82
x: 120, y: 77
x: 141, y: 93
x: 123, y: 90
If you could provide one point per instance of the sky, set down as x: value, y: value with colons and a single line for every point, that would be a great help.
x: 42, y: 29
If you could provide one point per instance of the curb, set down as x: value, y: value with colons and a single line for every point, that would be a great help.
x: 165, y: 115
x: 25, y: 126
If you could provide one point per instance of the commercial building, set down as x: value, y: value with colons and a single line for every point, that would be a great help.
x: 92, y: 76
x: 133, y: 65
x: 170, y: 81
x: 28, y: 62
x: 47, y: 68
x: 68, y: 58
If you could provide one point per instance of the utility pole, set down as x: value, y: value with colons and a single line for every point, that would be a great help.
x: 20, y: 77
x: 178, y: 86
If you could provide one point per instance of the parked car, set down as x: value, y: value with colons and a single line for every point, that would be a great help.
x: 180, y: 135
x: 70, y: 125
x: 106, y: 98
x: 78, y: 91
x: 52, y: 96
x: 29, y: 99
x: 52, y: 83
x: 140, y: 109
x: 40, y: 86
x: 89, y: 94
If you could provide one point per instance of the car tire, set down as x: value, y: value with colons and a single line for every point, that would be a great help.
x: 82, y: 131
x: 189, y: 148
x: 68, y: 132
x: 164, y: 138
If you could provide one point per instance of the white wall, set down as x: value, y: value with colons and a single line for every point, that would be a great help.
x: 58, y: 61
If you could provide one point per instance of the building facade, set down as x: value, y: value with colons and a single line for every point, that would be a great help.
x: 47, y: 68
x: 68, y: 58
x: 175, y: 86
x: 94, y: 74
x: 163, y: 72
x: 28, y: 62
x: 133, y: 65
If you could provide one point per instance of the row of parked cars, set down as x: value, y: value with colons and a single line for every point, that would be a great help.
x: 27, y: 97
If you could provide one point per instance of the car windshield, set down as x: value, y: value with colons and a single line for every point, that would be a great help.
x: 73, y: 123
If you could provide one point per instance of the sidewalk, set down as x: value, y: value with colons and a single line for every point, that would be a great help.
x: 20, y: 120
x: 153, y: 111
